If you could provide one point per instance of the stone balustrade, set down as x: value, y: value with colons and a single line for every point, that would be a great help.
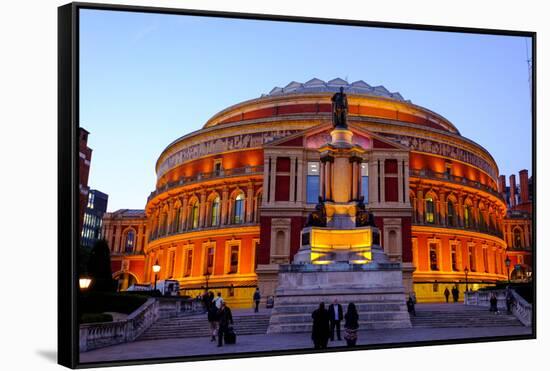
x: 520, y: 307
x: 98, y: 335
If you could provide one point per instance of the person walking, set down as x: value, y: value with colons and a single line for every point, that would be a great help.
x: 225, y: 319
x: 447, y: 293
x: 320, y: 329
x: 455, y: 293
x: 410, y: 306
x: 256, y: 299
x: 218, y: 301
x: 493, y: 303
x: 213, y: 320
x: 335, y: 316
x: 351, y: 325
x: 509, y: 300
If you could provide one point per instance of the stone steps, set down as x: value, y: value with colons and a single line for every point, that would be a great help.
x: 462, y: 317
x: 198, y: 326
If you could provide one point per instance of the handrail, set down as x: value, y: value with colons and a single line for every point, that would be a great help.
x: 520, y: 308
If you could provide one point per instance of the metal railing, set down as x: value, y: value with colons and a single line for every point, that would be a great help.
x: 429, y: 174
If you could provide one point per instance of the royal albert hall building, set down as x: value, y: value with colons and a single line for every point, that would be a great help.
x: 232, y: 198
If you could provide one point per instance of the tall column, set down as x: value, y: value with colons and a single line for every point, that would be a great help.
x: 170, y: 217
x: 183, y: 221
x: 420, y: 205
x: 225, y: 196
x: 249, y: 202
x: 382, y: 180
x: 373, y: 180
x: 272, y: 189
x: 321, y: 179
x: 117, y: 237
x: 442, y: 208
x: 299, y: 190
x: 202, y: 208
x: 526, y: 235
x: 292, y: 179
x: 406, y: 179
x: 354, y: 195
x: 400, y: 193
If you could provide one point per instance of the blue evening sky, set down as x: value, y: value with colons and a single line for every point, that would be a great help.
x: 147, y: 79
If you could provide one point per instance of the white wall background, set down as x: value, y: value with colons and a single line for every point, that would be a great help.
x: 28, y: 155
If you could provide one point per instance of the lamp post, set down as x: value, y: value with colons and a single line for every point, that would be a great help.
x: 507, y: 262
x: 206, y: 277
x: 156, y: 269
x: 466, y: 271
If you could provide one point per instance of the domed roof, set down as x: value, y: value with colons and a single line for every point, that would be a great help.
x: 316, y: 86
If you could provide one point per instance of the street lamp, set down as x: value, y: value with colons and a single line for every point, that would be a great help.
x: 507, y: 262
x: 84, y: 282
x: 206, y: 277
x: 466, y: 271
x: 156, y: 269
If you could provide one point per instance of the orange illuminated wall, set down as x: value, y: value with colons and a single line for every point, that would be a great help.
x: 230, y: 160
x: 419, y: 161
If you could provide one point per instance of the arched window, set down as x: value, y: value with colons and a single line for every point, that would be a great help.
x: 451, y: 213
x: 517, y: 238
x: 238, y: 209
x: 430, y: 210
x: 215, y: 212
x: 194, y: 215
x: 129, y: 241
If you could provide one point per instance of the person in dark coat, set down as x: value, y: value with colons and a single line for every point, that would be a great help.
x: 455, y: 293
x: 320, y: 330
x: 509, y: 301
x: 225, y: 319
x: 410, y: 306
x: 213, y: 320
x: 256, y: 299
x: 335, y: 315
x: 447, y: 293
x: 351, y: 325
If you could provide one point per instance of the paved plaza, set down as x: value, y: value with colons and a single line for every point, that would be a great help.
x: 201, y: 346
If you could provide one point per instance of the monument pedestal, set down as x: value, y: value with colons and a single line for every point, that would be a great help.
x: 375, y: 288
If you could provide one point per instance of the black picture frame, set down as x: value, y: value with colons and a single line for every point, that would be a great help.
x: 68, y: 192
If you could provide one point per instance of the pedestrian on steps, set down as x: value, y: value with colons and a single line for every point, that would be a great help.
x: 351, y: 325
x: 493, y: 303
x: 447, y: 293
x: 213, y: 320
x: 256, y: 299
x: 225, y: 319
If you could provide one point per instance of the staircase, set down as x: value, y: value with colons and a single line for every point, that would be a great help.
x: 459, y: 315
x: 376, y: 311
x: 245, y: 323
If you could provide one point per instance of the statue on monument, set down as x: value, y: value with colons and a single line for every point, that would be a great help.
x: 317, y: 218
x: 340, y: 110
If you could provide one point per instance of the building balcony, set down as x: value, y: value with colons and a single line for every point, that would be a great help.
x: 472, y: 228
x: 201, y: 177
x: 203, y: 229
x: 429, y: 174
